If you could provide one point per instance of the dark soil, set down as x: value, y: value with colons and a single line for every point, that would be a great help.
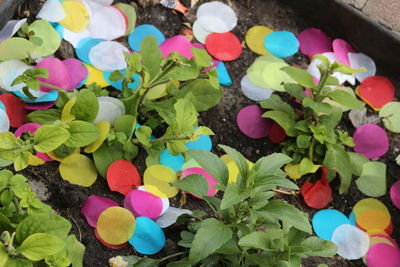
x: 66, y: 198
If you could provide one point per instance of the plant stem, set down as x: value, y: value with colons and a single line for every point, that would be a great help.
x: 171, y: 256
x: 311, y: 149
x: 162, y: 140
x: 291, y: 193
x: 50, y: 86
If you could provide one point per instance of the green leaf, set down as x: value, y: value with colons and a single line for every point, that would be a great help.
x: 3, y: 256
x: 261, y: 239
x: 86, y: 106
x: 22, y: 161
x: 125, y: 124
x: 202, y: 58
x: 116, y: 75
x: 143, y: 134
x: 44, y: 117
x: 52, y: 224
x: 390, y: 115
x: 345, y: 99
x: 18, y: 262
x: 302, y: 77
x: 47, y: 138
x: 317, y: 107
x: 338, y: 67
x: 212, y: 164
x: 284, y: 120
x: 204, y: 95
x: 305, y: 166
x: 82, y: 133
x: 189, y: 70
x: 151, y: 55
x: 303, y: 141
x: 337, y: 160
x: 239, y: 160
x: 194, y: 183
x: 357, y: 162
x: 233, y: 194
x: 38, y: 246
x: 319, y: 247
x: 211, y: 235
x: 277, y: 104
x: 289, y: 214
x: 7, y: 140
x: 270, y: 164
x: 15, y: 48
x: 75, y: 251
x: 372, y: 181
x: 295, y: 90
x: 104, y: 156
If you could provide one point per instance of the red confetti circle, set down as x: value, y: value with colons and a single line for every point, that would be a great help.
x: 223, y: 46
x: 15, y: 109
x: 376, y: 91
x: 123, y: 177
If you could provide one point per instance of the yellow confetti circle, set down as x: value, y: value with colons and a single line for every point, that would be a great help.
x: 77, y: 16
x: 369, y: 204
x: 373, y: 220
x: 116, y: 225
x: 156, y: 181
x: 78, y: 169
x: 255, y: 37
x: 104, y: 129
x: 95, y: 76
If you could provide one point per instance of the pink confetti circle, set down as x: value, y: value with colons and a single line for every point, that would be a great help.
x: 383, y: 255
x: 371, y: 141
x: 210, y: 180
x: 395, y: 194
x: 93, y: 206
x: 314, y: 41
x: 251, y: 123
x: 142, y: 203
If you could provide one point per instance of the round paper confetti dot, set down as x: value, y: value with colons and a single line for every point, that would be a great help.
x: 122, y: 176
x: 116, y: 225
x: 4, y: 122
x: 352, y: 243
x: 341, y: 49
x: 26, y: 128
x: 77, y: 72
x: 15, y: 110
x: 369, y: 204
x: 108, y: 56
x: 104, y: 129
x: 385, y: 236
x: 255, y: 37
x: 142, y: 31
x: 52, y: 10
x: 142, y: 203
x: 224, y: 46
x: 78, y: 169
x: 376, y: 239
x: 93, y: 206
x: 157, y: 179
x: 276, y: 133
x: 170, y: 216
x: 95, y: 76
x: 110, y: 109
x: 317, y: 195
x: 203, y: 142
x: 169, y: 160
x: 371, y: 141
x: 199, y: 32
x: 376, y: 91
x: 217, y: 17
x: 251, y: 123
x: 395, y: 194
x: 96, y: 234
x: 9, y: 70
x: 178, y: 43
x: 314, y: 41
x: 326, y: 221
x: 84, y: 47
x: 165, y: 201
x: 352, y: 218
x: 281, y: 44
x: 39, y: 106
x: 253, y: 91
x: 373, y: 219
x: 358, y: 60
x: 210, y: 180
x: 58, y: 74
x: 77, y: 16
x: 383, y: 255
x: 107, y: 23
x: 390, y: 115
x: 148, y: 238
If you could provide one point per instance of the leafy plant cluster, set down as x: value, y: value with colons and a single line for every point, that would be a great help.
x: 170, y: 94
x: 31, y: 234
x: 247, y: 227
x: 315, y: 137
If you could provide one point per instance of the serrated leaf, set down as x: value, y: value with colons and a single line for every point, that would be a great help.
x: 261, y: 239
x: 233, y: 194
x: 295, y: 90
x: 337, y: 160
x: 211, y: 235
x: 277, y: 104
x: 151, y: 55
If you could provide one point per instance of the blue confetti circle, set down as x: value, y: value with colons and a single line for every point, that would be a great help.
x: 281, y: 44
x: 169, y: 160
x: 326, y: 221
x: 148, y: 238
x: 142, y: 31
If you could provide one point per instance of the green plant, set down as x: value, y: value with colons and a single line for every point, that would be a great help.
x: 313, y: 131
x: 247, y: 227
x: 170, y: 94
x: 31, y: 234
